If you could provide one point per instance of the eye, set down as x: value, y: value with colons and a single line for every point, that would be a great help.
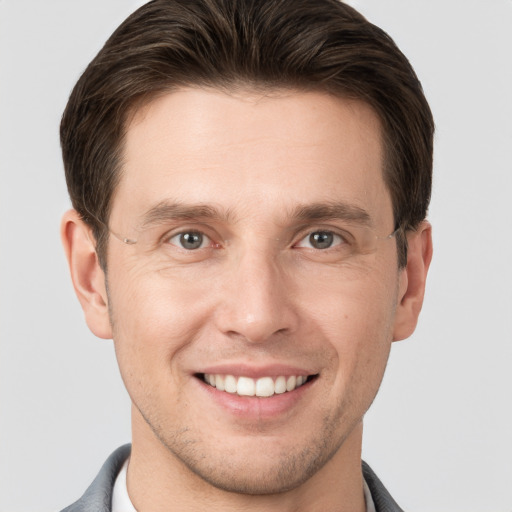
x: 190, y: 240
x: 321, y: 240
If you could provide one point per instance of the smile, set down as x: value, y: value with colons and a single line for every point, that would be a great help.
x: 263, y: 387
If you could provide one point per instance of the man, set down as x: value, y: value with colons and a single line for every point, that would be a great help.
x: 250, y: 181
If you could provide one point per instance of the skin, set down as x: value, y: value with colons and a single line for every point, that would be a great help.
x: 255, y: 296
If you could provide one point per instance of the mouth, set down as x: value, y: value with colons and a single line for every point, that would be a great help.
x: 262, y: 387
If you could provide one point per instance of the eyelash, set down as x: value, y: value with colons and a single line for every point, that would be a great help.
x: 168, y: 239
x: 339, y: 239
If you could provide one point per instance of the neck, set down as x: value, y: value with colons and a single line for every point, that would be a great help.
x: 158, y: 481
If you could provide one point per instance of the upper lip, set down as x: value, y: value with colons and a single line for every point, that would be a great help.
x: 255, y: 372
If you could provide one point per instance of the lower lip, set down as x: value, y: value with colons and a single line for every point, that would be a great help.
x: 257, y: 408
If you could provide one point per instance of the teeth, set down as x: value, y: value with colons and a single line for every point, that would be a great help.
x: 291, y: 383
x: 265, y: 386
x: 262, y: 387
x: 220, y: 382
x: 280, y: 385
x: 230, y: 384
x: 245, y: 387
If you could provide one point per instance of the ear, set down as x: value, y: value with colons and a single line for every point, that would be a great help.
x: 412, y: 281
x: 87, y: 276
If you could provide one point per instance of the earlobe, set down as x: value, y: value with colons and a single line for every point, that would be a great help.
x: 86, y: 273
x: 412, y: 281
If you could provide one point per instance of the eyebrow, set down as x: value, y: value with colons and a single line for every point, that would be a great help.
x: 166, y: 211
x: 332, y: 211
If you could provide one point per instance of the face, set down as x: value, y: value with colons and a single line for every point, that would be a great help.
x: 254, y: 313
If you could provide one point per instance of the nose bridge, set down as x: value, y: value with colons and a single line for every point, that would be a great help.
x: 256, y: 302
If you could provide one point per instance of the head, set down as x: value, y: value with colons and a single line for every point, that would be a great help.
x: 230, y: 143
x: 321, y: 46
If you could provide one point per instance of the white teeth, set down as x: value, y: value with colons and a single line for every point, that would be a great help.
x: 291, y: 383
x: 262, y: 387
x: 245, y: 386
x: 220, y: 382
x: 230, y: 384
x: 280, y: 385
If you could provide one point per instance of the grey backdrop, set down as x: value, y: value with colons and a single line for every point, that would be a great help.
x: 440, y: 432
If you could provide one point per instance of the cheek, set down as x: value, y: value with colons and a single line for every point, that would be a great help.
x: 145, y: 301
x: 153, y: 321
x: 356, y: 319
x: 356, y: 311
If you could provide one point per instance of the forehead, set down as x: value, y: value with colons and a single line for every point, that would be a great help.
x: 251, y: 152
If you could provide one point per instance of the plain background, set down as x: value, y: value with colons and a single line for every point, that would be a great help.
x: 440, y: 432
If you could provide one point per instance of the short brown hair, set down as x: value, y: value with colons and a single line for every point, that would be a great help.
x: 321, y: 45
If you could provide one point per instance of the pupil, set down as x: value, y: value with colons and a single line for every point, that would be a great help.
x: 321, y: 239
x: 191, y: 240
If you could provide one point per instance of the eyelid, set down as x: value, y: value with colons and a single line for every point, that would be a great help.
x: 206, y: 240
x: 302, y: 232
x: 338, y: 240
x: 307, y: 231
x: 190, y: 228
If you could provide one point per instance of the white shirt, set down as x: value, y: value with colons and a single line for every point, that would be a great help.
x: 121, y: 501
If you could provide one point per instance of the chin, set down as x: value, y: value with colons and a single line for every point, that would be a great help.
x: 258, y: 465
x: 254, y: 477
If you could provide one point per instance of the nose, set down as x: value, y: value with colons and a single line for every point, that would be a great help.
x: 257, y: 300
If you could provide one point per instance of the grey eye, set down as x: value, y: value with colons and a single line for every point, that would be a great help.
x: 321, y: 239
x: 190, y: 240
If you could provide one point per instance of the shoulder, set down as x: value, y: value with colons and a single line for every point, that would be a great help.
x: 98, y: 497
